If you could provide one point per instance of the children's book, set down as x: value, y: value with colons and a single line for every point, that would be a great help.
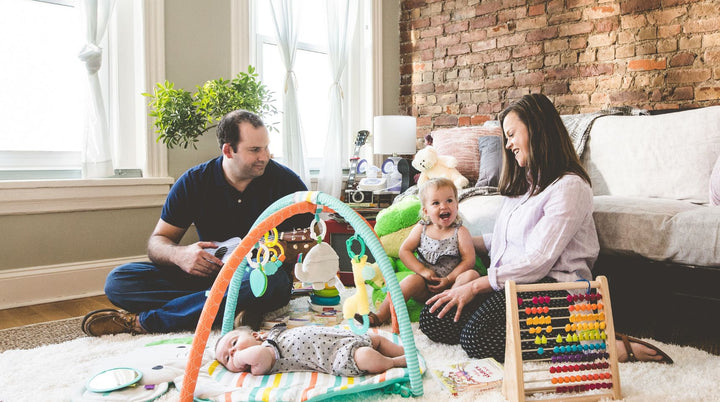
x: 476, y: 374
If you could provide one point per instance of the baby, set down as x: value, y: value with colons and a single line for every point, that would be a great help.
x: 312, y: 348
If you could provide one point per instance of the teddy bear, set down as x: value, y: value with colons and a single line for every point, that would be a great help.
x: 431, y: 165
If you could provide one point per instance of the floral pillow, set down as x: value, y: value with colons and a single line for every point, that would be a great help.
x: 715, y: 184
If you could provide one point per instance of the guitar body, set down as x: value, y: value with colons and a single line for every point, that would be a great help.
x: 295, y: 243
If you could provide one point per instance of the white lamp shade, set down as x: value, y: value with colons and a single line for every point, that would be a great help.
x: 394, y: 135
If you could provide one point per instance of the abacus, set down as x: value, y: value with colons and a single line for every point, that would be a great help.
x: 580, y: 346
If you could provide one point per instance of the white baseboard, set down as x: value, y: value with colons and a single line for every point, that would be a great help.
x: 51, y: 283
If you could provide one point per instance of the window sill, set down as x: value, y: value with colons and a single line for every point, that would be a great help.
x: 52, y: 196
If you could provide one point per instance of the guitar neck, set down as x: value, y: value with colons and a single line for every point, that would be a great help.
x: 351, y: 174
x: 359, y: 142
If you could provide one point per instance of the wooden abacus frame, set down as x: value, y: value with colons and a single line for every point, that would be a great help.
x: 514, y: 383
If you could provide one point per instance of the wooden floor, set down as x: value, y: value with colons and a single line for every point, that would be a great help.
x: 16, y: 317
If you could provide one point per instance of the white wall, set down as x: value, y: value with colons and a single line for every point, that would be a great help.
x: 57, y: 256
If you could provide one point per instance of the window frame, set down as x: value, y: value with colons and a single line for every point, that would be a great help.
x: 19, y: 197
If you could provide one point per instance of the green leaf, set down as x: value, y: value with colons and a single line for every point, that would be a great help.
x: 181, y: 117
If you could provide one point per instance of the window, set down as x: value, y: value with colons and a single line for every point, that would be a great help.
x: 313, y: 76
x: 44, y: 84
x: 42, y: 104
x: 40, y: 74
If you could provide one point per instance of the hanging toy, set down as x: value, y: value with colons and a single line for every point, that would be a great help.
x: 358, y: 303
x: 266, y: 263
x: 321, y: 264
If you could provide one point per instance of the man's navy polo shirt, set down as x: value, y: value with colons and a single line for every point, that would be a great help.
x: 203, y: 196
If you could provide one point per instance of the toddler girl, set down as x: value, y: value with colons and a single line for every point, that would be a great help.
x: 444, y: 248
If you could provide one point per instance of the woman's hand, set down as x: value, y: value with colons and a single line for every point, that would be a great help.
x: 458, y: 297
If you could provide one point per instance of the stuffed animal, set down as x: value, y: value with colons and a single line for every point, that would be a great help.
x: 358, y: 303
x: 320, y: 266
x: 432, y: 165
x: 401, y: 214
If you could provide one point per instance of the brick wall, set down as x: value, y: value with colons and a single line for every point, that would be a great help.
x: 462, y: 61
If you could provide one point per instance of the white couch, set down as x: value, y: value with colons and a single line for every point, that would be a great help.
x: 659, y: 236
x: 650, y: 177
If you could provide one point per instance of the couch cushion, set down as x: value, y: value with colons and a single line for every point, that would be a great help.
x: 715, y: 184
x: 658, y: 229
x: 667, y: 156
x: 462, y: 143
x: 479, y: 212
x: 695, y: 237
x: 490, y: 149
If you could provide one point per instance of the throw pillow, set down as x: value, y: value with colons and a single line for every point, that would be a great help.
x: 460, y: 142
x: 490, y: 149
x: 715, y: 183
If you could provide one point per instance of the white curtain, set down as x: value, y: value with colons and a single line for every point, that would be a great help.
x: 97, y: 154
x: 286, y: 29
x: 341, y: 16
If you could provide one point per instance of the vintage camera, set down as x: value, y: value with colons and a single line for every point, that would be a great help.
x: 358, y: 196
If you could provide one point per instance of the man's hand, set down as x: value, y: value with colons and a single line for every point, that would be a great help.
x: 196, y: 261
x: 163, y: 249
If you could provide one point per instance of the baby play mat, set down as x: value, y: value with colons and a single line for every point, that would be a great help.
x: 298, y: 386
x: 229, y: 280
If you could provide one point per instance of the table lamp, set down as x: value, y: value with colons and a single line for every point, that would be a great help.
x: 393, y: 135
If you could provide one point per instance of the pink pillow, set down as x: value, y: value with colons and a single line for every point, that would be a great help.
x: 462, y: 143
x: 715, y: 184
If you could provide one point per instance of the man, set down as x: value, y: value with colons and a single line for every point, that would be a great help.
x: 223, y: 197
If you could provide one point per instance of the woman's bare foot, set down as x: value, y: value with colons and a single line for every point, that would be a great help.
x: 641, y: 352
x: 630, y: 349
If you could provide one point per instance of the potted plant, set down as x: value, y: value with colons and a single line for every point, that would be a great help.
x: 181, y: 117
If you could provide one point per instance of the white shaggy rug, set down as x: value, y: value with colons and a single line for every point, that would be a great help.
x: 57, y: 372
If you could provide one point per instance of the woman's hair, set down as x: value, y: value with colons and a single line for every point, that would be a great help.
x: 435, y: 184
x: 551, y: 154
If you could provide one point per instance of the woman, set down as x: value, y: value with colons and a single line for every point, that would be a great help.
x: 544, y: 232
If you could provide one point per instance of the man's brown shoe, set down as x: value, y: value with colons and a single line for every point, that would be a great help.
x: 110, y: 322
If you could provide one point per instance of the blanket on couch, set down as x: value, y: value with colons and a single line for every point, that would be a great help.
x: 579, y: 125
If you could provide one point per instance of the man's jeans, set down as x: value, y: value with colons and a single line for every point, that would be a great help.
x: 168, y: 299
